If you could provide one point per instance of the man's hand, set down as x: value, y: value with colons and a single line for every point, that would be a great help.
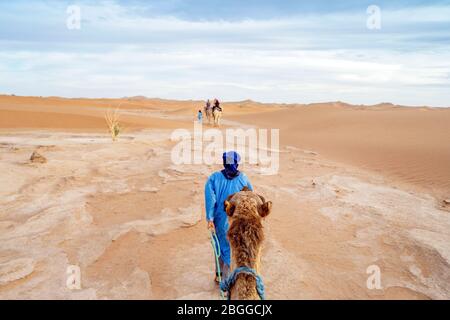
x: 210, y: 226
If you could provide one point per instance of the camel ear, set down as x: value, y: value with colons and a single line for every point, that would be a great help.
x: 245, y: 189
x: 265, y: 209
x: 229, y: 208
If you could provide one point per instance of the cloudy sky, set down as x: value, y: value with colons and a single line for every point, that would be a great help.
x: 265, y: 50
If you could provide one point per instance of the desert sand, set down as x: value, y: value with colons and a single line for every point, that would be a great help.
x: 357, y: 186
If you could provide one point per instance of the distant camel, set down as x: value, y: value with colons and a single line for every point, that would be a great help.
x: 217, y: 114
x: 209, y: 114
x: 246, y: 211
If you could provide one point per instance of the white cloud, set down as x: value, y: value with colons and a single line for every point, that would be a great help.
x: 305, y: 59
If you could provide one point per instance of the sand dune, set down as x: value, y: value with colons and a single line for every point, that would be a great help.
x: 357, y: 186
x: 409, y: 145
x: 88, y: 114
x: 76, y: 114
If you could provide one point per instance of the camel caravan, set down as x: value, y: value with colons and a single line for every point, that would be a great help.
x: 234, y: 215
x: 213, y: 113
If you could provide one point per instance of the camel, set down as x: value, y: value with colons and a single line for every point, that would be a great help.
x: 245, y: 211
x: 209, y: 114
x: 217, y: 115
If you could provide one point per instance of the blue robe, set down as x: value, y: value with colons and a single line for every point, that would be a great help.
x: 217, y: 190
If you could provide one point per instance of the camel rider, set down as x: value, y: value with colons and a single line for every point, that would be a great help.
x: 218, y: 187
x: 208, y: 105
x: 217, y: 105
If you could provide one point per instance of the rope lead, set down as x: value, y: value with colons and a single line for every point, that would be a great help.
x: 216, y: 249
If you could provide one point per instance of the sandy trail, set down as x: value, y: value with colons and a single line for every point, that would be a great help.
x: 133, y: 223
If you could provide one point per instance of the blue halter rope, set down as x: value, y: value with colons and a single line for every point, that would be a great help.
x: 226, y: 284
x: 216, y: 249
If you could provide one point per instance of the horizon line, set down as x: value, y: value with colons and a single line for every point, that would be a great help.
x: 248, y: 100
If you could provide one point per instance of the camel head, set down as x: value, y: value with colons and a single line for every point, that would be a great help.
x: 246, y: 210
x: 247, y: 204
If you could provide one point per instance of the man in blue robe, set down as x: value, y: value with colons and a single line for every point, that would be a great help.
x: 219, y: 186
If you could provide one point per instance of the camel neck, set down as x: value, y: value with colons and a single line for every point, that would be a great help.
x: 246, y: 236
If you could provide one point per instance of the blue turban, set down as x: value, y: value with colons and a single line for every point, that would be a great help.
x: 231, y: 163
